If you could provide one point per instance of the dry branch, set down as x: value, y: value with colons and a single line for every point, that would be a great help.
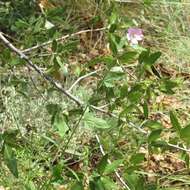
x: 61, y: 39
x: 58, y: 86
x: 38, y: 70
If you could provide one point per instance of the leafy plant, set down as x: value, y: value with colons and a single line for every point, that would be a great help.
x: 104, y: 132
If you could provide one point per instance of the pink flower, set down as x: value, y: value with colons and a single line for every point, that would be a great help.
x: 134, y: 35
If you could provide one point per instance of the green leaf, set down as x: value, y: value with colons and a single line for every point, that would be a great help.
x: 30, y: 186
x: 57, y: 172
x: 127, y: 57
x: 154, y: 135
x: 114, y: 43
x: 137, y: 158
x: 16, y: 61
x: 92, y: 121
x: 53, y: 108
x: 112, y: 28
x: 135, y: 181
x: 131, y: 169
x: 102, y: 164
x: 114, y: 75
x: 175, y: 122
x: 167, y: 86
x: 160, y: 143
x: 110, y: 61
x: 185, y: 133
x: 124, y: 91
x: 54, y: 45
x: 73, y: 174
x: 10, y: 137
x: 145, y: 110
x: 109, y: 184
x: 151, y: 124
x: 154, y: 57
x: 143, y: 57
x: 10, y: 160
x: 136, y: 93
x: 61, y: 125
x: 96, y: 184
x: 68, y: 47
x: 39, y: 25
x: 149, y: 59
x: 110, y: 168
x: 113, y: 18
x: 59, y: 61
x: 154, y: 186
x: 77, y: 186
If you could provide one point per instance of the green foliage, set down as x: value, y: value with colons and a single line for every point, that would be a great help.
x: 175, y: 122
x: 46, y: 141
x: 94, y: 122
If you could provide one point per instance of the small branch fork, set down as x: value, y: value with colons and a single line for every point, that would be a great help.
x: 62, y: 38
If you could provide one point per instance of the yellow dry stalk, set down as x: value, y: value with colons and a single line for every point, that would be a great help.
x: 45, y: 4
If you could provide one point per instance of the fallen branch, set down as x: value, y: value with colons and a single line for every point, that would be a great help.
x: 61, y: 39
x: 38, y: 70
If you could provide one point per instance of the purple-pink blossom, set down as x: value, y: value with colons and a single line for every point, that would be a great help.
x: 134, y: 35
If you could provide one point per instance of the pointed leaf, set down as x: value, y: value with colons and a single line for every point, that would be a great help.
x: 77, y: 186
x: 175, y: 122
x: 145, y: 110
x: 10, y: 160
x: 102, y: 164
x: 110, y: 168
x: 154, y: 57
x: 61, y: 125
x: 137, y: 158
x: 92, y: 121
x: 154, y: 135
x: 151, y: 124
x: 127, y: 57
x: 185, y: 133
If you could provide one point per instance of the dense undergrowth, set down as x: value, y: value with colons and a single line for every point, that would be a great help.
x: 127, y: 127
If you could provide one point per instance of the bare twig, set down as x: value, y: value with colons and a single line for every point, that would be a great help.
x: 178, y: 147
x: 38, y: 70
x: 62, y: 38
x: 109, y: 161
x: 81, y: 78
